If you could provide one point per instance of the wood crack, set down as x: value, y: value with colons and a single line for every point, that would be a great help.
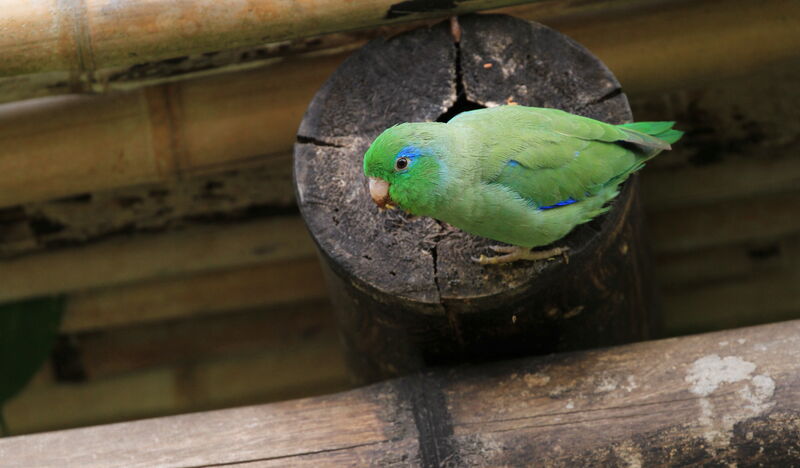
x: 281, y: 457
x: 317, y: 142
x: 716, y: 396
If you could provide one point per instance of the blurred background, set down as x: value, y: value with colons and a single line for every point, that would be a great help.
x: 153, y: 262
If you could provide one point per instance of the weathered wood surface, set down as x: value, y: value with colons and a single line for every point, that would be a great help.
x: 743, y: 133
x: 406, y: 291
x: 717, y: 399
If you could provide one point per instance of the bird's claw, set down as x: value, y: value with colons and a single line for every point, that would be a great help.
x: 514, y: 253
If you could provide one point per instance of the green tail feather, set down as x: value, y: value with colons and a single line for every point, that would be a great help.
x: 660, y: 130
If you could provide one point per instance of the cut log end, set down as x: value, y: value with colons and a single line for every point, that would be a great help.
x: 413, y: 278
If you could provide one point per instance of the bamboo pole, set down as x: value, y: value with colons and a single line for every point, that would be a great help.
x: 82, y: 36
x: 259, y: 373
x: 260, y: 285
x: 67, y: 145
x: 600, y: 24
x: 726, y: 398
x: 63, y: 146
x: 658, y: 45
x: 133, y: 76
x: 154, y: 256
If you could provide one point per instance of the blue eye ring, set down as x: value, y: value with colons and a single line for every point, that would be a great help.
x: 401, y: 163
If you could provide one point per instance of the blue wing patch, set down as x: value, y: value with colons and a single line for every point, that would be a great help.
x: 568, y: 201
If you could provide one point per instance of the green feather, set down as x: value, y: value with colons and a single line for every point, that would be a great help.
x: 661, y: 130
x: 497, y: 172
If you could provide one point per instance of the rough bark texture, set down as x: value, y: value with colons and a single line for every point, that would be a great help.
x: 405, y: 289
x: 721, y: 399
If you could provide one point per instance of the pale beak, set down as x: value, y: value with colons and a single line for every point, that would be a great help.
x: 379, y: 191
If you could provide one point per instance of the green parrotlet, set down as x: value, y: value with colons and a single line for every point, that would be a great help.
x: 525, y: 176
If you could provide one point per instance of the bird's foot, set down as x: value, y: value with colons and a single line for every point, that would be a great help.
x: 514, y: 253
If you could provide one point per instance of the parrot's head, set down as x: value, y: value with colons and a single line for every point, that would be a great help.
x: 405, y: 166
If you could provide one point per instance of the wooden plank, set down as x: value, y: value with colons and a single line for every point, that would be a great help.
x: 691, y: 269
x: 721, y: 398
x: 662, y: 45
x: 258, y: 187
x: 262, y: 285
x: 154, y: 134
x: 246, y: 376
x: 752, y: 300
x: 755, y: 219
x: 745, y: 120
x: 64, y: 405
x: 170, y: 343
x: 245, y: 434
x: 693, y: 185
x: 136, y: 258
x: 314, y: 367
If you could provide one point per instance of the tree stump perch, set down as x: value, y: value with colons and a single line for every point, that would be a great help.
x: 406, y: 293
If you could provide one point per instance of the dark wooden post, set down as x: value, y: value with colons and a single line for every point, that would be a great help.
x: 405, y: 290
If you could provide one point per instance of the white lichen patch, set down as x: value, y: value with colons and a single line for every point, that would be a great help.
x: 753, y: 392
x: 606, y: 384
x: 559, y: 390
x: 630, y: 384
x: 758, y: 394
x: 707, y: 373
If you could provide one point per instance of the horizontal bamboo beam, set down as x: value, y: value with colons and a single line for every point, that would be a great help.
x: 589, y: 22
x: 282, y: 329
x: 84, y: 36
x: 131, y: 77
x: 234, y: 376
x: 262, y: 285
x: 57, y: 147
x: 766, y: 297
x: 660, y: 45
x: 723, y: 398
x: 687, y: 185
x: 63, y: 146
x: 727, y: 262
x: 754, y: 219
x: 154, y: 256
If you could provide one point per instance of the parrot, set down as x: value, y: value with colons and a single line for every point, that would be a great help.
x: 523, y: 176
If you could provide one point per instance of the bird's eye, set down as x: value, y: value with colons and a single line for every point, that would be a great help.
x: 401, y: 164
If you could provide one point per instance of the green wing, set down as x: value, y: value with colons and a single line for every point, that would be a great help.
x: 548, y: 156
